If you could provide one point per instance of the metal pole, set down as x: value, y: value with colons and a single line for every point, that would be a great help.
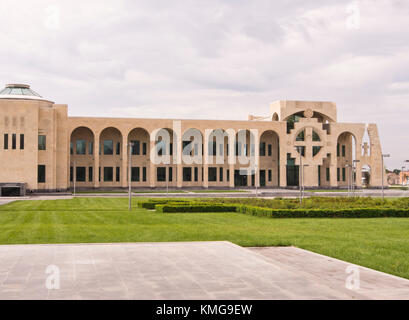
x: 74, y: 176
x: 167, y: 180
x: 383, y: 169
x: 348, y: 181
x: 255, y: 180
x: 383, y: 196
x: 300, y: 176
x: 130, y: 177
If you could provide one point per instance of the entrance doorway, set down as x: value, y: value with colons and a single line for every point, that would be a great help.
x: 240, y: 180
x: 262, y: 178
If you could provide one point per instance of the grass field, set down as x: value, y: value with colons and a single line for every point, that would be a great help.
x: 378, y: 243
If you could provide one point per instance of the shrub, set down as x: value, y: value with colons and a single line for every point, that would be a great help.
x: 151, y: 203
x: 172, y: 208
x: 323, y: 213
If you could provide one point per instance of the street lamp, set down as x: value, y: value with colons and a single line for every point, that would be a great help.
x: 303, y: 186
x: 383, y: 169
x: 354, y: 162
x: 130, y: 145
x: 299, y: 149
x: 74, y: 175
x: 349, y: 178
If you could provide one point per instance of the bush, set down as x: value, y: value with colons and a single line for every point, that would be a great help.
x: 151, y: 203
x: 172, y: 208
x: 323, y: 213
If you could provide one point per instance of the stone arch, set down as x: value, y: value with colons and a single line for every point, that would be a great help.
x: 139, y: 137
x: 269, y: 155
x: 346, y: 153
x: 110, y: 156
x: 82, y: 150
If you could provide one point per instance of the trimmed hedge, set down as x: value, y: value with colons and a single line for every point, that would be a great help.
x: 173, y: 208
x: 151, y: 203
x: 323, y: 213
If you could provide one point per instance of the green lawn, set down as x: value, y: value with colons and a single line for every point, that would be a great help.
x: 378, y: 243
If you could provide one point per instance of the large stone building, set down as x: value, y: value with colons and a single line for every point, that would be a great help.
x: 42, y: 148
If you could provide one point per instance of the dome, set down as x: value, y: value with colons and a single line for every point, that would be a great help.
x: 19, y: 91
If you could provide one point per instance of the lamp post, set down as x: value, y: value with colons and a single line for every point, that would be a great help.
x: 354, y: 162
x: 74, y: 175
x: 383, y: 169
x: 130, y: 145
x: 349, y: 178
x: 299, y: 148
x: 303, y: 186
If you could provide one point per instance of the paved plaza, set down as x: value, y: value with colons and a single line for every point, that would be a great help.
x: 183, y: 270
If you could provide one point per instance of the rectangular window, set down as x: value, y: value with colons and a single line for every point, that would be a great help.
x: 90, y: 147
x: 108, y: 174
x: 42, y: 143
x: 41, y: 173
x: 161, y: 174
x: 144, y: 148
x: 327, y: 174
x: 99, y: 174
x: 171, y: 149
x: 21, y: 141
x: 81, y: 146
x: 136, y: 147
x: 118, y: 174
x: 212, y: 172
x: 228, y: 175
x: 118, y: 148
x: 337, y: 149
x: 262, y: 149
x: 196, y: 174
x: 238, y: 148
x: 187, y: 174
x: 338, y: 174
x: 170, y: 173
x: 6, y: 141
x: 90, y: 174
x: 108, y: 148
x: 135, y: 174
x: 270, y: 150
x: 144, y: 174
x: 161, y: 148
x: 71, y: 174
x: 80, y: 174
x: 13, y: 141
x: 269, y: 175
x: 186, y: 148
x: 71, y: 147
x: 343, y: 174
x: 221, y: 174
x: 343, y: 150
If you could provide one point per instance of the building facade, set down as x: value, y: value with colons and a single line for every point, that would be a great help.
x: 299, y: 142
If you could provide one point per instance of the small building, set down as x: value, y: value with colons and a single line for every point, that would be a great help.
x: 296, y: 142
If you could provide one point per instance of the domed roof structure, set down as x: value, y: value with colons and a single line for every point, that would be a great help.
x: 19, y: 91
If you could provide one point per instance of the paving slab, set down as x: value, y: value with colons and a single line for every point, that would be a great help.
x: 182, y: 270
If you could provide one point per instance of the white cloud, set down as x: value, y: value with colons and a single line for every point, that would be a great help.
x: 217, y: 59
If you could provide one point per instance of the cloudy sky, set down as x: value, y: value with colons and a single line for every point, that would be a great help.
x: 214, y: 59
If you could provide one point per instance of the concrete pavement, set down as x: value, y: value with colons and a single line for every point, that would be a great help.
x: 182, y: 270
